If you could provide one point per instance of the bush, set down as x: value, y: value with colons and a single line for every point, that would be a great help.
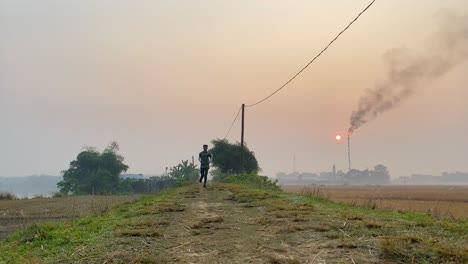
x: 7, y: 196
x: 253, y: 178
x: 57, y: 194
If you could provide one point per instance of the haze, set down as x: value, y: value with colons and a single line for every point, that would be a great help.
x: 164, y: 77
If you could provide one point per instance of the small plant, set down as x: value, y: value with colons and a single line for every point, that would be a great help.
x: 316, y: 192
x: 8, y: 196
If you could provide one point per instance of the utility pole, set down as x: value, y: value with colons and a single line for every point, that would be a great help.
x: 242, y: 139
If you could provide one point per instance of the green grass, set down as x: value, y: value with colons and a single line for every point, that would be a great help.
x: 65, y: 241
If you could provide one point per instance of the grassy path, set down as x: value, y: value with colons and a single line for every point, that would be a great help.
x: 237, y: 224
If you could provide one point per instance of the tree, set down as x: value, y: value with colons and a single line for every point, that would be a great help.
x: 381, y: 174
x: 93, y: 172
x: 184, y: 172
x: 227, y: 157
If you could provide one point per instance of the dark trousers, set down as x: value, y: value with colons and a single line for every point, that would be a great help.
x: 203, y: 175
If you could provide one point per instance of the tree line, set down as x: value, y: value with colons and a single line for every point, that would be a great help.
x: 98, y: 173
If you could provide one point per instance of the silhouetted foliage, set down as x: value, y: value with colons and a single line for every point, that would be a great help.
x: 93, y: 172
x: 227, y: 157
x: 253, y: 179
x: 151, y: 185
x: 184, y: 173
x: 379, y: 175
x: 7, y: 196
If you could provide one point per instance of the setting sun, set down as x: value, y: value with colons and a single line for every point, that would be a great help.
x: 338, y: 137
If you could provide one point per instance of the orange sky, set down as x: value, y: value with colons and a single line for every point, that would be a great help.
x: 164, y: 77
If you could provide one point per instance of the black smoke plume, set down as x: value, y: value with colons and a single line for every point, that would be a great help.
x: 408, y: 72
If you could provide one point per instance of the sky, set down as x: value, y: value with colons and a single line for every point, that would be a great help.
x: 162, y: 78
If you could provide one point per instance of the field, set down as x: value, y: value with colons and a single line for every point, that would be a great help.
x: 437, y: 200
x: 19, y: 214
x: 233, y: 223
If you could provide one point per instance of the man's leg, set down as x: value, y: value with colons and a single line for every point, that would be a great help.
x: 201, y: 174
x: 206, y: 176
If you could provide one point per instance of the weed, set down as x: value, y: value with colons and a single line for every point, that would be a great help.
x: 314, y: 191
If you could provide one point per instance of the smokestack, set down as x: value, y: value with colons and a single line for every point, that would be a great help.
x: 349, y: 151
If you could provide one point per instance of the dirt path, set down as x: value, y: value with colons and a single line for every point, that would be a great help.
x: 209, y: 226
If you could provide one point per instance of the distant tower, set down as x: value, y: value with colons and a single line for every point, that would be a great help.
x: 334, y: 171
x: 294, y: 164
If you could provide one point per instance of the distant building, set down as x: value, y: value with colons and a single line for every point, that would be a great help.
x: 446, y: 178
x: 132, y: 176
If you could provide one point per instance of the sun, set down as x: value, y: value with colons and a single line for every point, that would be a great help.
x: 338, y: 137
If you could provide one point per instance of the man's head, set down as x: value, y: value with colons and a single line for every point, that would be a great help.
x: 205, y: 147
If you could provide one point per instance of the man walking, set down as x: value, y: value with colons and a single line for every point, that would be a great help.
x: 205, y: 159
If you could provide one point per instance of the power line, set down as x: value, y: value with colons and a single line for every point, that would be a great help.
x: 233, y: 121
x: 318, y: 55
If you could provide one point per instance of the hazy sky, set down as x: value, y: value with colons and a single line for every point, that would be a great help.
x: 164, y: 77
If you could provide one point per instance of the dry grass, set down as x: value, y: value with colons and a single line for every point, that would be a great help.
x: 290, y: 228
x: 164, y: 208
x: 439, y: 201
x: 346, y: 245
x: 140, y: 232
x: 131, y: 257
x: 203, y: 222
x: 19, y: 214
x: 408, y: 248
x: 263, y: 220
x: 279, y: 259
x: 354, y: 217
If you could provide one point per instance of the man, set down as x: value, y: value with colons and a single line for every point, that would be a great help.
x: 205, y: 159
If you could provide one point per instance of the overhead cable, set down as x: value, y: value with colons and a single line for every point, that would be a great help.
x: 233, y: 121
x: 318, y: 55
